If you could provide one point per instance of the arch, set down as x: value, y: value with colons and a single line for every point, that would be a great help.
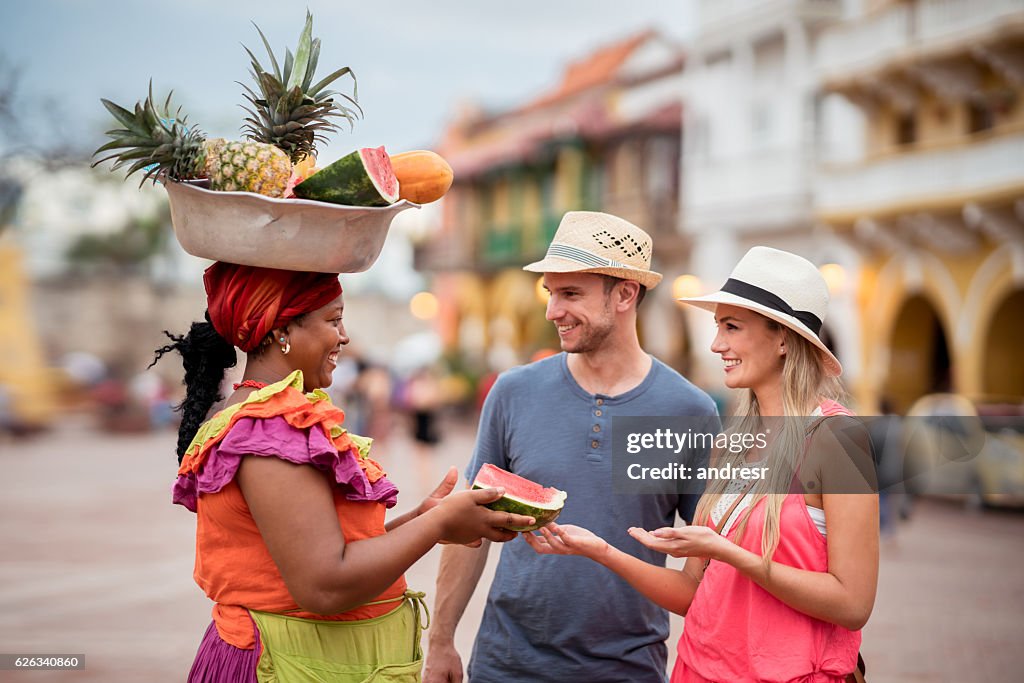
x: 1003, y: 373
x: 997, y: 278
x: 916, y: 273
x: 902, y: 277
x: 920, y: 359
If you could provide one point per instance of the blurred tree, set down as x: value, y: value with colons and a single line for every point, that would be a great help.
x: 128, y: 250
x: 35, y: 126
x: 30, y: 128
x: 10, y: 195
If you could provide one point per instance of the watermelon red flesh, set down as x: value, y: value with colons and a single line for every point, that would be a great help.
x: 522, y: 496
x: 362, y: 178
x: 378, y: 166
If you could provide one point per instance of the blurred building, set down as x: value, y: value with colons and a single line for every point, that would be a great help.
x: 607, y: 138
x: 102, y: 273
x: 750, y: 155
x: 922, y: 111
x: 883, y: 140
x: 26, y: 386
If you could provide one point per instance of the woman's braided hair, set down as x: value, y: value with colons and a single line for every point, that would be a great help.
x: 205, y: 355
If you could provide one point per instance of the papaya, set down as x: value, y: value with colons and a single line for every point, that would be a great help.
x: 423, y: 176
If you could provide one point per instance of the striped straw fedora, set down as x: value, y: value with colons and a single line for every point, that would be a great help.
x: 593, y: 242
x: 782, y: 286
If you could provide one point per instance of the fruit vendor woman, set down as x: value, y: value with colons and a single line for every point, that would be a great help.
x: 291, y: 540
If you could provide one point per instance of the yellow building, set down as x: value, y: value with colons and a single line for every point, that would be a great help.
x: 24, y: 376
x: 606, y: 138
x: 934, y: 201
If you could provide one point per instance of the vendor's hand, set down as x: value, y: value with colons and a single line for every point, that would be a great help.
x: 446, y: 486
x: 687, y: 541
x: 567, y: 539
x: 465, y: 520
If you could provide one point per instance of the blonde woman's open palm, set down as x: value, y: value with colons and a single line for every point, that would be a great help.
x: 566, y: 539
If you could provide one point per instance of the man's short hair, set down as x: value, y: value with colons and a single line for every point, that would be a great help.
x: 610, y: 281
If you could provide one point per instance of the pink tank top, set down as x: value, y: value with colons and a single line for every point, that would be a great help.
x: 735, y: 631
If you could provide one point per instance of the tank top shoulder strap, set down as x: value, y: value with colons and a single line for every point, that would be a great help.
x: 827, y: 408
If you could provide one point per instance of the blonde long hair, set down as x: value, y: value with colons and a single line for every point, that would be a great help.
x: 804, y: 384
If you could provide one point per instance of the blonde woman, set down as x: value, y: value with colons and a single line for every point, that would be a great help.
x: 781, y: 572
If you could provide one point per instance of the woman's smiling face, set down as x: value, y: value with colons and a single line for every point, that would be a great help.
x: 751, y: 347
x: 316, y: 342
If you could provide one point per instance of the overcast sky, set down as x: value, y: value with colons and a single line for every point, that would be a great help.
x: 414, y: 60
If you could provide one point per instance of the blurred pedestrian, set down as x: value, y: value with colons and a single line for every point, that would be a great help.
x: 345, y: 391
x: 148, y: 390
x: 554, y: 619
x: 376, y: 387
x: 887, y: 441
x: 776, y: 585
x: 6, y: 411
x: 423, y: 396
x: 291, y: 542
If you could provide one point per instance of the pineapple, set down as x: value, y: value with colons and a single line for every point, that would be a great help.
x: 291, y: 112
x: 163, y: 144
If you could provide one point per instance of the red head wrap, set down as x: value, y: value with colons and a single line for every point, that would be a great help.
x: 246, y: 302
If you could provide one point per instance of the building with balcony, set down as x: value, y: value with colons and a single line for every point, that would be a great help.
x: 922, y: 171
x: 749, y: 159
x: 607, y: 138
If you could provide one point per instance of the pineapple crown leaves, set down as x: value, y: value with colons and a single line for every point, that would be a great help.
x: 156, y: 140
x: 291, y: 111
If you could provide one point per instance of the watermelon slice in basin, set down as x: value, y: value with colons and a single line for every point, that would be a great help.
x: 522, y: 496
x: 363, y: 178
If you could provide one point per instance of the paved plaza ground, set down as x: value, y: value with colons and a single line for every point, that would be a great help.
x: 94, y: 559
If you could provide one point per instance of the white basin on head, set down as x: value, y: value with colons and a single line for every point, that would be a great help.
x: 290, y: 234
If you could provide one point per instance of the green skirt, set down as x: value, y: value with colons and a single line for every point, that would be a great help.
x: 384, y: 649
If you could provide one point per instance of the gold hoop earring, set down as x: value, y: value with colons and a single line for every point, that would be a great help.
x: 286, y: 346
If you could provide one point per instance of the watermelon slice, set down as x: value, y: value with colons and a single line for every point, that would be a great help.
x: 362, y: 178
x: 522, y: 496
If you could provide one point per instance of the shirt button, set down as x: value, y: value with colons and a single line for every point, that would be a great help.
x: 600, y: 401
x: 597, y: 428
x: 598, y: 412
x: 594, y: 444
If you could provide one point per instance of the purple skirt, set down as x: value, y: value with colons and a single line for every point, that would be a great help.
x: 221, y: 662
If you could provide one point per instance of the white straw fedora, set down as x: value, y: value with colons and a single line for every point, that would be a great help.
x: 593, y: 242
x: 782, y: 286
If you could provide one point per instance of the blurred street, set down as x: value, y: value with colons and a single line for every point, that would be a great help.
x: 879, y: 140
x: 97, y: 561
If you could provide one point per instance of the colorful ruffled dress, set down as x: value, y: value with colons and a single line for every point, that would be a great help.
x: 258, y: 632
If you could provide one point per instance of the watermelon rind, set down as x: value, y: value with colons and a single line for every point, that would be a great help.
x: 541, y: 514
x: 346, y: 182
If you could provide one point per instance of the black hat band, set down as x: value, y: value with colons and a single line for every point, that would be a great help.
x: 772, y: 301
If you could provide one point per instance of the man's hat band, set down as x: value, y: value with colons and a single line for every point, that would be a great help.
x: 559, y: 250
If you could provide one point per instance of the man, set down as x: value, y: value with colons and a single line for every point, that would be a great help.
x: 552, y: 618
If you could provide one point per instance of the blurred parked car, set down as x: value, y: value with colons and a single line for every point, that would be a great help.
x: 970, y: 449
